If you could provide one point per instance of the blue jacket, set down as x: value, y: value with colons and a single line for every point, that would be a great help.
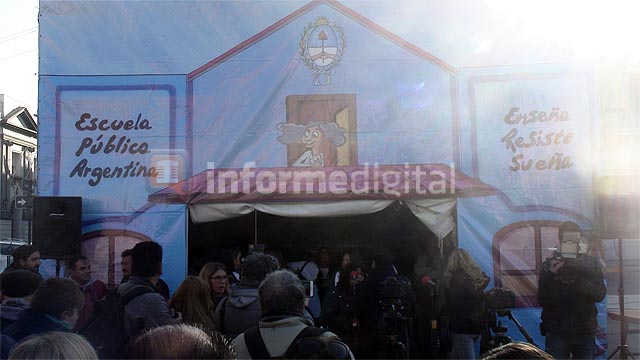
x: 32, y: 322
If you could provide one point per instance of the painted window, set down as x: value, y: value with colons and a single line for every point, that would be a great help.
x: 518, y: 253
x: 104, y: 247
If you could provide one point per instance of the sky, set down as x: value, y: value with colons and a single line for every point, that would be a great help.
x: 19, y: 54
x: 587, y: 30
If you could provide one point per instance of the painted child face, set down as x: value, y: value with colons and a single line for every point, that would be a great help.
x: 312, y: 137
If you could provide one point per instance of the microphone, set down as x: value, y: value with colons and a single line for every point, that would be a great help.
x: 427, y: 281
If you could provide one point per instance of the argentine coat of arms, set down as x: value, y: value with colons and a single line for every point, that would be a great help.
x: 321, y: 47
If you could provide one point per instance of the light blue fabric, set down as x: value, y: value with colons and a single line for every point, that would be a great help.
x: 464, y: 345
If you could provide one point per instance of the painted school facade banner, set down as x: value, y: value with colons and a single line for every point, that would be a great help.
x: 149, y: 108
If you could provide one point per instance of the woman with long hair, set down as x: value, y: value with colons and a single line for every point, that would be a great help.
x: 464, y: 284
x: 338, y: 308
x: 193, y: 301
x: 215, y: 274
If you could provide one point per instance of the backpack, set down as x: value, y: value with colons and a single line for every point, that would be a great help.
x: 299, y: 271
x: 258, y: 350
x: 105, y: 331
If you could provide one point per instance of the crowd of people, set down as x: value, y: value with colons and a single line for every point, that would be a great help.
x: 261, y: 308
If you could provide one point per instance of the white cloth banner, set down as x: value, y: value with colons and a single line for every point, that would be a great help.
x: 435, y: 214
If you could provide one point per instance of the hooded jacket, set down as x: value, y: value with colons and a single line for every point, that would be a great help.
x: 241, y: 311
x: 32, y: 322
x: 144, y: 311
x: 278, y: 332
x: 11, y: 310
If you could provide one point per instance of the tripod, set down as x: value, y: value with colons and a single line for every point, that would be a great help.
x: 623, y: 348
x: 493, y: 324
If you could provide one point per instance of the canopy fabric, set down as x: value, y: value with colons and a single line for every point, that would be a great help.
x: 218, y: 194
x: 328, y: 184
x: 435, y: 214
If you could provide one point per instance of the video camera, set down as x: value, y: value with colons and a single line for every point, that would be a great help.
x: 498, y: 303
x: 499, y: 299
x: 569, y: 249
x: 392, y: 288
x: 395, y: 296
x: 570, y: 254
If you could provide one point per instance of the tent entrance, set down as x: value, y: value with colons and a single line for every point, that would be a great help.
x: 394, y: 228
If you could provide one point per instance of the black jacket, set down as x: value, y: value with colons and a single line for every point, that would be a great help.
x: 465, y: 306
x: 338, y: 314
x: 569, y: 307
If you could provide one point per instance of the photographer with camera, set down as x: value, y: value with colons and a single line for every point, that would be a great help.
x: 464, y: 283
x: 570, y: 285
x: 381, y: 288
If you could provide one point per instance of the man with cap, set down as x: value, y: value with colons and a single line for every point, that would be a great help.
x: 17, y: 288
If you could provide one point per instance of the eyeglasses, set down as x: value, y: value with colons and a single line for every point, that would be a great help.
x: 219, y: 278
x: 333, y: 349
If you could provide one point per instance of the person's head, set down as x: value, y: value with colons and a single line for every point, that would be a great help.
x: 236, y: 255
x: 516, y: 350
x: 324, y: 257
x: 58, y: 298
x: 26, y: 257
x: 349, y: 276
x: 255, y: 268
x: 281, y: 292
x: 461, y: 261
x: 80, y: 269
x: 215, y: 274
x: 194, y: 343
x: 146, y: 259
x: 19, y: 284
x: 382, y: 258
x: 346, y: 260
x: 125, y: 263
x: 277, y: 254
x: 193, y: 300
x: 352, y: 258
x: 313, y: 136
x: 567, y: 226
x: 54, y: 345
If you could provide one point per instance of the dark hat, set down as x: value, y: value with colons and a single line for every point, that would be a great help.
x: 256, y: 267
x: 19, y: 283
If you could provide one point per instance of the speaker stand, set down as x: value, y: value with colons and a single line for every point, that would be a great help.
x: 623, y: 348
